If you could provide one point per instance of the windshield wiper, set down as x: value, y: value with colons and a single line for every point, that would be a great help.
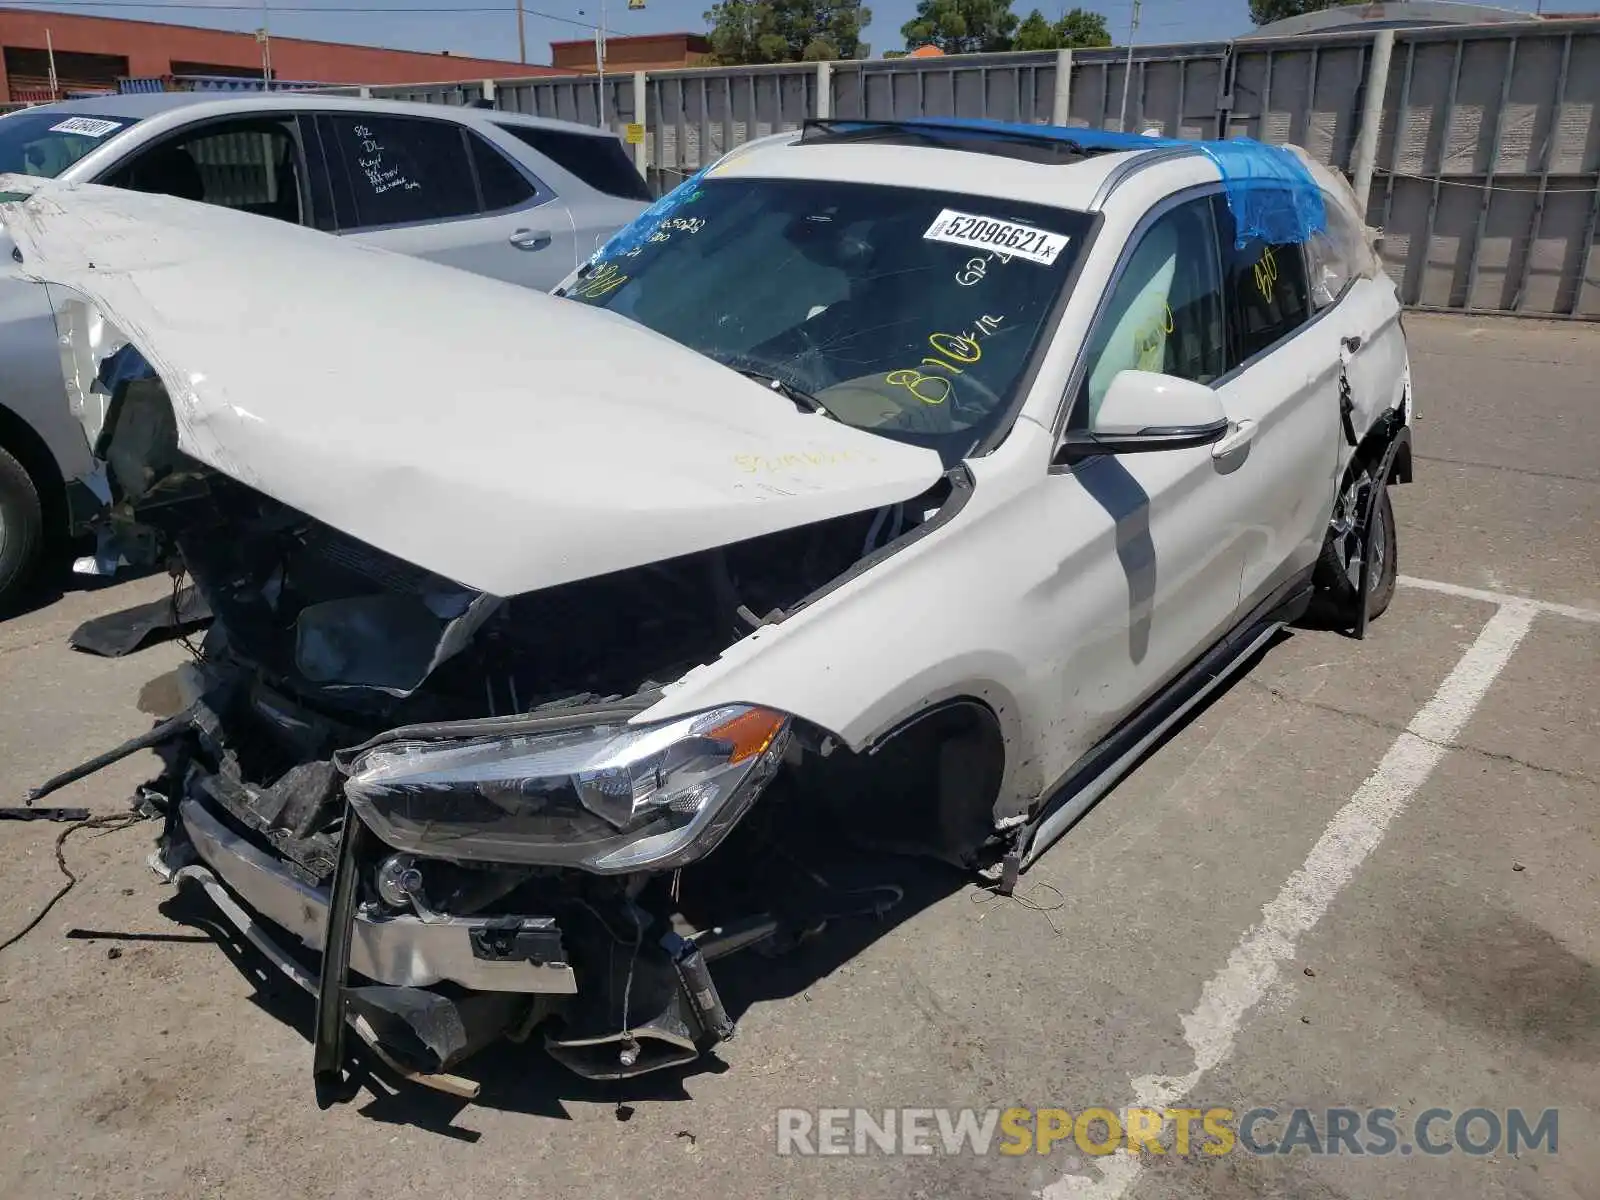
x: 801, y: 399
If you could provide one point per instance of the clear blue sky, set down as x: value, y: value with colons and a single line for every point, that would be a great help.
x: 464, y: 27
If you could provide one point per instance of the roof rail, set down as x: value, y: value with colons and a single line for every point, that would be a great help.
x: 1036, y: 143
x: 1123, y: 171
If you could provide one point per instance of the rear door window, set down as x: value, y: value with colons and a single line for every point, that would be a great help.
x: 399, y: 170
x: 597, y: 159
x: 1265, y: 285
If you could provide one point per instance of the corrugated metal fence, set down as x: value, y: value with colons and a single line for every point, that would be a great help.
x: 1487, y: 167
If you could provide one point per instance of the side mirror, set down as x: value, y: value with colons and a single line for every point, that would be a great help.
x: 1144, y: 411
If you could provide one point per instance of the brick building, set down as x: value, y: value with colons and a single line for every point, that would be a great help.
x: 644, y: 52
x: 91, y: 53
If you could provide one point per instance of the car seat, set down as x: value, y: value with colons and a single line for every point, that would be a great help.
x: 168, y: 171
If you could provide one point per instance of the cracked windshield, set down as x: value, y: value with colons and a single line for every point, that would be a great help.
x: 904, y: 312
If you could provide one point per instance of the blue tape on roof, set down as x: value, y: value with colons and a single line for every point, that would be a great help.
x: 1270, y: 193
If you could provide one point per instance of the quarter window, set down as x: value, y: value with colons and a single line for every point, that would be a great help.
x: 1266, y: 290
x: 502, y: 185
x: 1165, y: 311
x: 597, y: 159
x: 403, y: 170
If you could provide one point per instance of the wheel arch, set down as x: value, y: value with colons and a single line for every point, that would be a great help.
x: 24, y: 443
x: 930, y: 783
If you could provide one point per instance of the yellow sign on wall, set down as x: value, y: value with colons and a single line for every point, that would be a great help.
x: 635, y: 134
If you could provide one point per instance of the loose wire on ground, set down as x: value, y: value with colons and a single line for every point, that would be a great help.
x: 985, y: 895
x: 109, y: 823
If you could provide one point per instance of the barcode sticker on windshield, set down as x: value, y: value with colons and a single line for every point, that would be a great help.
x: 87, y: 126
x: 1003, y: 237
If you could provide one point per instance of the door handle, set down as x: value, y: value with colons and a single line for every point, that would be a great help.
x: 530, y: 239
x: 1236, y: 439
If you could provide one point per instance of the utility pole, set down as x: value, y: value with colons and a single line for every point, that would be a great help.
x: 522, y: 35
x: 600, y: 63
x: 266, y: 49
x: 1127, y: 73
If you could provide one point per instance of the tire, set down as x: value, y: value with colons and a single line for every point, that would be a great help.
x: 1336, y: 589
x: 21, y: 530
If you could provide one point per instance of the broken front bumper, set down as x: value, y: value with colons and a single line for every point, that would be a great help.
x: 397, y: 950
x: 427, y: 992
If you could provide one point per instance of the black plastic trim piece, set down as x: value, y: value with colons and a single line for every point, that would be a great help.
x: 519, y: 939
x: 1079, y: 444
x: 961, y: 485
x: 1286, y: 604
x: 327, y: 1047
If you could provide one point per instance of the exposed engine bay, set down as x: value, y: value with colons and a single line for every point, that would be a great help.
x: 440, y: 789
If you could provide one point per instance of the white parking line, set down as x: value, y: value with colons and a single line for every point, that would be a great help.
x: 1470, y: 593
x: 1354, y: 832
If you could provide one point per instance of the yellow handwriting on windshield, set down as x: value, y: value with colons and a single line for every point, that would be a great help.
x: 602, y: 280
x: 954, y: 351
x: 930, y: 389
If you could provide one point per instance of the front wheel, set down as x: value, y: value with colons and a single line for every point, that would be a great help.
x: 1338, y: 575
x: 21, y: 530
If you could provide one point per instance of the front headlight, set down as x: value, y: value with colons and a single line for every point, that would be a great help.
x: 606, y: 798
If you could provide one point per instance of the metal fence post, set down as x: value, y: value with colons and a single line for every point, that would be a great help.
x: 1557, y: 104
x: 1488, y: 179
x: 641, y: 151
x: 825, y: 90
x: 1061, y: 106
x: 1372, y: 116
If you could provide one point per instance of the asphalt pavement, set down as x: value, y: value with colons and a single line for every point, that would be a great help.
x: 1365, y: 877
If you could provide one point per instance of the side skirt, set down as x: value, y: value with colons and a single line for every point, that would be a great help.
x: 1097, y: 772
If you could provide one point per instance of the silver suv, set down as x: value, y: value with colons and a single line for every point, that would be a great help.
x: 512, y: 197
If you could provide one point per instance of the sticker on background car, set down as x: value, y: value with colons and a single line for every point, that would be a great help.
x: 86, y: 126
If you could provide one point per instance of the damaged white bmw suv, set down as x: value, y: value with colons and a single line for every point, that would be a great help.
x: 900, y: 481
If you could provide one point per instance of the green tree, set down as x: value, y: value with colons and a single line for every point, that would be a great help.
x: 1077, y: 28
x: 1080, y: 27
x: 1263, y: 12
x: 772, y: 31
x: 1035, y: 33
x: 961, y: 26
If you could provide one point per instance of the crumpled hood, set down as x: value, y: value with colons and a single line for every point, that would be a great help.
x: 500, y: 437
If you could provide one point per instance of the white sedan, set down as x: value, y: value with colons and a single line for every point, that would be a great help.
x: 898, y: 482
